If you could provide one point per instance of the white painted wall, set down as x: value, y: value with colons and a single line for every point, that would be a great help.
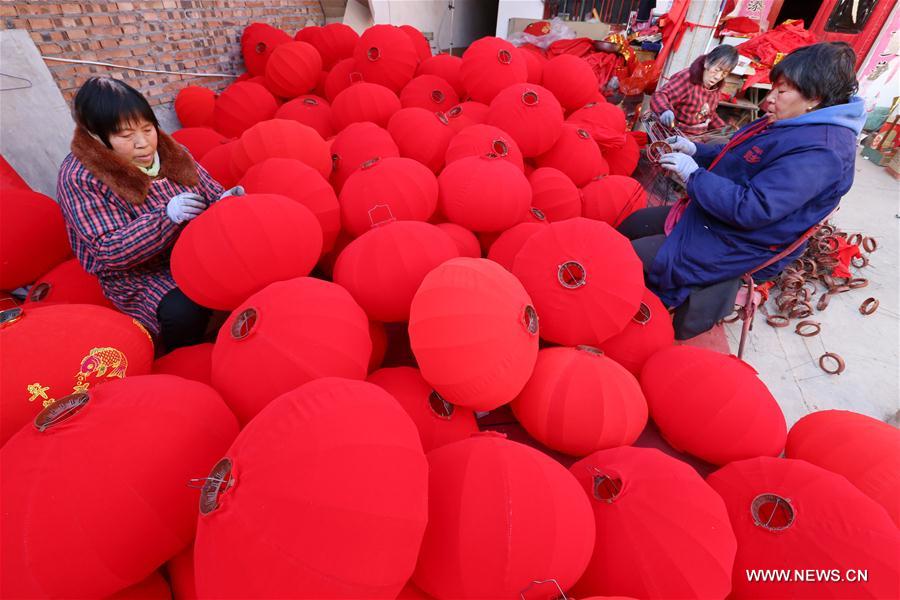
x: 473, y: 18
x: 511, y: 9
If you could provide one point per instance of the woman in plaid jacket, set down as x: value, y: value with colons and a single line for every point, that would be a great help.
x: 126, y: 190
x: 690, y: 98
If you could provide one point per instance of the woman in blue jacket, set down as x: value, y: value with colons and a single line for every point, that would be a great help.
x: 751, y: 198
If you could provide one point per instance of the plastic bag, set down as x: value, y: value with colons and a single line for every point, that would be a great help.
x: 557, y: 31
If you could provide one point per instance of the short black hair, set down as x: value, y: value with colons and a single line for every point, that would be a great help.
x: 722, y: 55
x: 103, y: 105
x: 826, y: 71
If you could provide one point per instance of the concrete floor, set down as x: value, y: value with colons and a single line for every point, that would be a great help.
x: 870, y: 345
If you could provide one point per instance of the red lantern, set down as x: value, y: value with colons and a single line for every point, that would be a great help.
x: 297, y: 181
x: 258, y: 41
x: 154, y: 587
x: 466, y: 114
x: 604, y: 121
x: 465, y: 240
x: 579, y: 401
x: 500, y: 516
x: 612, y: 198
x: 789, y: 515
x: 576, y: 154
x: 585, y: 279
x: 446, y: 67
x: 386, y: 55
x: 535, y: 61
x: 429, y: 92
x: 864, y: 450
x: 439, y: 422
x: 483, y: 140
x: 712, y: 405
x: 484, y: 193
x: 199, y: 140
x: 504, y: 249
x: 571, y: 79
x: 240, y: 245
x: 340, y: 77
x: 67, y: 283
x: 649, y: 331
x: 421, y: 135
x: 9, y: 178
x: 289, y: 333
x: 158, y: 431
x: 474, y: 333
x: 217, y: 163
x: 423, y: 48
x: 335, y: 42
x: 281, y: 138
x: 356, y: 145
x: 334, y: 437
x: 490, y: 65
x: 387, y: 189
x: 624, y: 161
x: 554, y: 194
x: 309, y: 110
x: 190, y: 362
x: 51, y: 351
x: 364, y: 102
x: 32, y: 237
x: 181, y: 575
x: 195, y: 105
x: 293, y: 69
x: 686, y: 547
x: 319, y: 90
x: 530, y: 114
x: 384, y: 267
x: 241, y: 106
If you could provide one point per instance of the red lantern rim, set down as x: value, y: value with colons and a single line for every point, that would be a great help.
x: 530, y: 98
x: 442, y: 118
x: 656, y: 150
x: 437, y: 96
x: 583, y: 134
x: 571, y: 275
x: 504, y: 57
x: 439, y: 406
x: 244, y: 324
x: 260, y: 47
x: 373, y: 53
x: 217, y: 483
x: 530, y: 320
x: 454, y: 112
x: 61, y: 410
x: 10, y: 316
x: 643, y: 315
x: 589, y: 349
x: 39, y: 292
x: 499, y: 148
x: 311, y: 101
x: 538, y: 214
x: 606, y: 487
x: 772, y: 512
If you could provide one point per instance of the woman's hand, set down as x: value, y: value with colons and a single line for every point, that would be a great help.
x: 682, y: 144
x: 184, y: 207
x: 237, y: 190
x: 667, y: 118
x: 680, y: 164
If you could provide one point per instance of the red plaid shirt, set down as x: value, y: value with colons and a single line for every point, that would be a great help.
x: 694, y: 105
x: 126, y: 246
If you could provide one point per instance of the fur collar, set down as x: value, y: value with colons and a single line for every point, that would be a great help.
x: 124, y: 178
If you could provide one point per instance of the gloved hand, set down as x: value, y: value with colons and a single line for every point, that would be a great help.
x: 680, y: 164
x: 682, y: 144
x: 237, y: 190
x: 185, y: 206
x: 667, y: 118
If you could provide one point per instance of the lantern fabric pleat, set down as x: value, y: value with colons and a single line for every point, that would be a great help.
x: 490, y: 65
x: 423, y: 48
x: 340, y: 77
x: 447, y: 67
x: 576, y: 154
x: 422, y: 135
x: 199, y: 140
x: 242, y: 244
x: 67, y: 283
x: 504, y: 249
x: 604, y: 121
x: 357, y: 144
x: 579, y: 401
x: 32, y: 237
x: 530, y: 114
x: 309, y: 110
x: 429, y: 92
x: 535, y: 61
x: 474, y: 333
x: 289, y: 333
x: 554, y: 194
x: 662, y: 532
x: 712, y: 405
x: 482, y: 140
x: 623, y: 161
x: 571, y: 79
x: 585, y: 279
x: 465, y: 240
x: 317, y: 447
x: 258, y: 41
x: 293, y: 69
x: 217, y: 163
x: 334, y: 41
x: 281, y: 138
x: 195, y: 105
x: 191, y: 362
x: 484, y: 193
x: 364, y: 102
x: 466, y: 114
x: 241, y: 106
x: 386, y: 55
x: 612, y: 198
x: 649, y: 331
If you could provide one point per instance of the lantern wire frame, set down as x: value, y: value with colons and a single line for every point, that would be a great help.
x: 773, y: 512
x: 439, y: 406
x: 217, y: 483
x: 561, y: 594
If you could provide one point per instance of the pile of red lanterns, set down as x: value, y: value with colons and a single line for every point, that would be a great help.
x: 423, y: 238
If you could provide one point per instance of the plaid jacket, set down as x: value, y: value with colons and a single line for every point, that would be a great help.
x: 694, y: 105
x: 126, y: 246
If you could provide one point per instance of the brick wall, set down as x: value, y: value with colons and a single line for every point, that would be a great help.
x: 177, y: 35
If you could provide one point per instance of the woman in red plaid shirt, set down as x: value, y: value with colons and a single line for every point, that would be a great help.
x: 690, y: 98
x: 126, y: 190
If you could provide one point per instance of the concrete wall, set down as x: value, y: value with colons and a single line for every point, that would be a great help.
x: 473, y: 19
x: 509, y: 9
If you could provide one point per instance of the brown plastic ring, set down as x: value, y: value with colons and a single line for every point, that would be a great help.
x: 10, y: 316
x: 454, y: 112
x: 530, y: 320
x: 530, y: 98
x: 858, y: 282
x: 656, y: 150
x: 589, y: 349
x: 373, y: 54
x: 504, y: 57
x: 437, y: 96
x: 368, y: 164
x: 442, y: 118
x: 499, y: 147
x: 311, y: 101
x: 855, y: 239
x: 39, y: 292
x: 828, y: 245
x: 244, y: 323
x: 734, y: 316
x: 823, y: 302
x: 260, y: 48
x: 808, y: 328
x: 801, y: 310
x: 839, y: 289
x: 869, y: 306
x: 61, y: 410
x: 823, y: 361
x: 571, y: 274
x: 869, y: 244
x: 859, y: 262
x: 538, y: 214
x: 583, y: 134
x: 778, y: 321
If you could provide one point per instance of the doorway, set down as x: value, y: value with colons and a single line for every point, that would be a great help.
x: 805, y: 10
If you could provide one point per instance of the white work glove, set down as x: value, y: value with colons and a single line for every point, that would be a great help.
x: 237, y: 190
x: 680, y: 164
x: 667, y: 118
x: 682, y: 144
x: 184, y: 207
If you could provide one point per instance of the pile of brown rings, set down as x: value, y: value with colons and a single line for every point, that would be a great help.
x: 800, y: 283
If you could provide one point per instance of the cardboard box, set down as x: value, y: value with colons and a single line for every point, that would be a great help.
x: 732, y: 86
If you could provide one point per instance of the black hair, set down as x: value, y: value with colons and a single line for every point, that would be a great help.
x: 103, y: 105
x: 722, y: 55
x: 826, y: 71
